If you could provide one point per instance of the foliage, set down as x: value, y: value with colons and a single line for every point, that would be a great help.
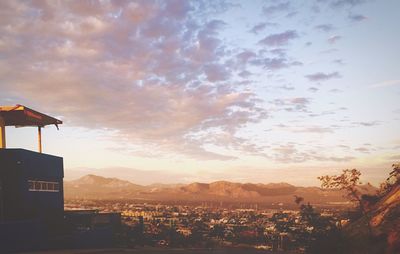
x: 392, y: 181
x: 321, y: 234
x: 347, y: 181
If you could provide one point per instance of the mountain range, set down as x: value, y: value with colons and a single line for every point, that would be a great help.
x: 97, y: 187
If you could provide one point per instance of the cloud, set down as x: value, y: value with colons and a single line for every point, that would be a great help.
x: 271, y: 63
x: 334, y: 39
x: 325, y: 27
x: 320, y: 76
x: 153, y: 74
x: 272, y: 9
x: 290, y: 153
x: 261, y: 26
x: 244, y: 74
x: 245, y: 56
x: 215, y: 72
x: 296, y: 104
x: 268, y: 62
x: 367, y: 124
x: 286, y: 87
x: 344, y: 3
x: 279, y: 39
x: 363, y: 149
x: 386, y: 83
x: 357, y: 17
x: 315, y: 129
x: 335, y: 90
x: 338, y: 61
x: 307, y: 129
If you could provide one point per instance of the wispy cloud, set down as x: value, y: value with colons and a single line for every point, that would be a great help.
x: 320, y: 76
x: 279, y: 39
x: 386, y: 83
x: 357, y: 17
x: 325, y: 27
x: 291, y: 153
x: 296, y: 104
x: 368, y: 124
x: 344, y: 3
x: 334, y: 39
x: 261, y: 27
x: 271, y: 9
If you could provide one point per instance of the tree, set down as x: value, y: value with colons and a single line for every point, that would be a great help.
x: 392, y: 181
x: 395, y: 172
x: 320, y: 234
x: 298, y: 199
x: 348, y: 182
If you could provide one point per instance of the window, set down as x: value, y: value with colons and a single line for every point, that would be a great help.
x: 43, y: 186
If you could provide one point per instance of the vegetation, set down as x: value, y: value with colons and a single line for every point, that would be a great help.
x: 347, y: 181
x: 392, y: 181
x: 376, y: 226
x: 321, y: 233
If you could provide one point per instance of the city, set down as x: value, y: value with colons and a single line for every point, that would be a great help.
x: 211, y: 225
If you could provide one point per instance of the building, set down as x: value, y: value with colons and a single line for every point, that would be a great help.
x: 31, y: 184
x: 32, y: 215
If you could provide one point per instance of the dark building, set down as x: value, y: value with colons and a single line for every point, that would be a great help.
x: 91, y: 228
x: 31, y: 185
x: 32, y: 215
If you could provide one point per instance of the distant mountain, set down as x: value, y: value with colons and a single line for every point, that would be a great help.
x: 97, y: 187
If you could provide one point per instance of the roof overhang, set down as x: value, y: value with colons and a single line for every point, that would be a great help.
x: 21, y: 116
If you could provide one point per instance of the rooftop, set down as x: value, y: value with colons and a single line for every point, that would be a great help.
x: 21, y: 116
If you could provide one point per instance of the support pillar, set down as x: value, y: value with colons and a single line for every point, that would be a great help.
x: 40, y: 139
x: 2, y: 133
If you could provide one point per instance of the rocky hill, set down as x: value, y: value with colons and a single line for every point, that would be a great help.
x: 379, y: 230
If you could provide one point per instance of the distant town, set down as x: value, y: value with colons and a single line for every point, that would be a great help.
x: 208, y: 225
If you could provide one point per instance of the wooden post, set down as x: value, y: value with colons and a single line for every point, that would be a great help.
x: 2, y: 133
x: 40, y: 138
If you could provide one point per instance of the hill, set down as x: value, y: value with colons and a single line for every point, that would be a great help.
x: 379, y: 230
x: 97, y: 187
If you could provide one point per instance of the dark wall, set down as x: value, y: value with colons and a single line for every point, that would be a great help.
x: 17, y: 166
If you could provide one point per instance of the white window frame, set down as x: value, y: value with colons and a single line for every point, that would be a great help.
x: 44, y: 186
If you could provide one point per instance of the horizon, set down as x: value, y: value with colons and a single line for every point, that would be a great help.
x: 198, y: 91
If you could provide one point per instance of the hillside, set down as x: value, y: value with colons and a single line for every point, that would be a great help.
x: 378, y: 230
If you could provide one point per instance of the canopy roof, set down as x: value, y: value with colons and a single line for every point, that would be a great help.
x: 21, y: 116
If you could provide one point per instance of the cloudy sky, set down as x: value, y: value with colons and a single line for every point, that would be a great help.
x: 181, y: 91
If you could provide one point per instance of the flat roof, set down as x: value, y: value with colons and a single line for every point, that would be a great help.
x: 21, y: 116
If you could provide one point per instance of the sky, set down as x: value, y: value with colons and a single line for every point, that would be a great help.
x: 181, y: 91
